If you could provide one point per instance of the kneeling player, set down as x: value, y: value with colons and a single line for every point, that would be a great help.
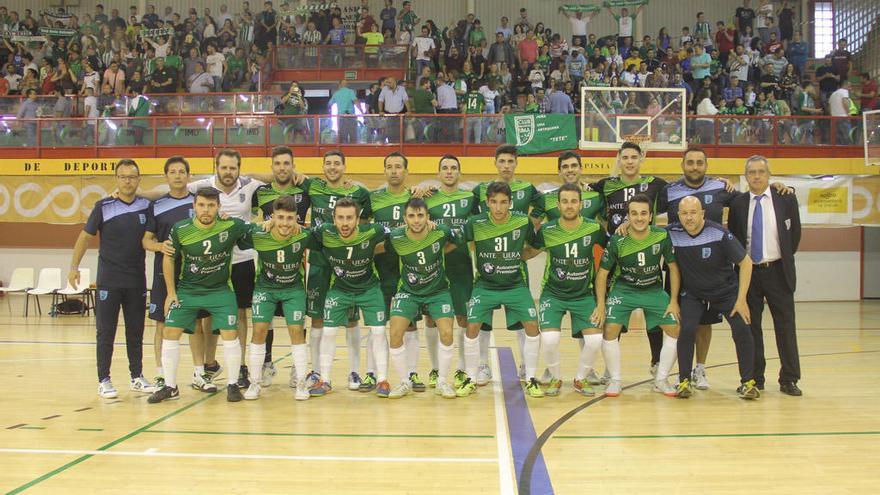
x: 568, y: 286
x: 279, y: 281
x: 424, y: 287
x: 636, y: 259
x: 204, y: 246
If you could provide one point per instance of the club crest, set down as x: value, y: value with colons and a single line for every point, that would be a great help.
x: 223, y: 236
x: 524, y: 129
x: 707, y: 251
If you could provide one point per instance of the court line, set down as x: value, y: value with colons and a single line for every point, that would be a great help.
x: 525, y: 477
x: 211, y: 455
x: 22, y: 360
x: 721, y: 435
x: 319, y: 435
x: 519, y: 421
x: 502, y: 442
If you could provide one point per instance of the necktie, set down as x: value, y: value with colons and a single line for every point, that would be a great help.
x: 757, y: 250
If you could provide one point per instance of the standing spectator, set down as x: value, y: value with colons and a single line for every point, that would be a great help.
x: 543, y: 101
x: 578, y: 24
x: 91, y: 112
x: 700, y: 63
x: 706, y: 126
x: 266, y: 27
x: 345, y: 100
x: 523, y: 21
x: 777, y: 62
x: 559, y: 101
x: 501, y: 52
x: 393, y: 99
x: 424, y: 48
x: 389, y: 17
x: 246, y: 31
x: 664, y: 41
x: 28, y: 111
x: 625, y: 23
x: 797, y: 53
x: 163, y: 79
x: 13, y: 78
x: 785, y: 14
x: 91, y: 79
x: 138, y: 106
x: 774, y: 42
x: 474, y: 106
x: 828, y: 79
x: 702, y: 29
x: 224, y: 15
x: 839, y: 104
x: 504, y: 28
x: 724, y: 41
x: 215, y: 65
x: 739, y: 64
x: 576, y: 63
x: 762, y: 14
x: 868, y: 93
x: 841, y: 59
x: 407, y: 17
x: 477, y: 36
x: 788, y: 82
x: 745, y: 18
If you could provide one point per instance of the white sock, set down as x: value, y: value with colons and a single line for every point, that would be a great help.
x: 471, y: 356
x: 398, y: 359
x: 581, y: 343
x: 380, y: 352
x: 232, y: 349
x: 411, y: 344
x: 590, y: 347
x: 432, y: 340
x: 371, y: 357
x: 611, y: 354
x: 255, y: 361
x: 485, y: 342
x: 328, y: 352
x: 200, y: 370
x: 445, y: 355
x: 353, y: 340
x: 550, y: 340
x: 699, y: 366
x: 521, y: 340
x: 315, y: 347
x: 668, y: 354
x: 300, y: 359
x: 170, y: 358
x: 459, y: 341
x: 530, y: 351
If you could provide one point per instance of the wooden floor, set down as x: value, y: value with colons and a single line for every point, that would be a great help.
x: 58, y: 436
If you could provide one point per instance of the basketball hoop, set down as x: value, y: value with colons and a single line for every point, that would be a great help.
x: 643, y: 140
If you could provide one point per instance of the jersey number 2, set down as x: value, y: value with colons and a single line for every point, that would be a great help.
x: 207, y: 246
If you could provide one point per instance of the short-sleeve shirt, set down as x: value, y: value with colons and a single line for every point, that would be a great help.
x: 452, y: 210
x: 422, y: 267
x: 712, y: 193
x: 394, y: 100
x: 474, y: 102
x: 164, y: 213
x: 351, y: 260
x: 498, y: 250
x: 524, y: 196
x: 637, y: 264
x: 206, y: 253
x: 569, y: 271
x: 547, y: 205
x: 264, y: 198
x: 617, y: 193
x: 121, y: 256
x: 388, y: 211
x: 279, y: 261
x: 706, y: 261
x: 324, y: 198
x: 344, y: 99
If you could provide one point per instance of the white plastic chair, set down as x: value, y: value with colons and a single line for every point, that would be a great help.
x: 22, y: 281
x: 84, y: 289
x: 49, y: 282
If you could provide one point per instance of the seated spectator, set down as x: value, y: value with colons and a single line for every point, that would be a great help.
x: 200, y: 81
x: 732, y: 91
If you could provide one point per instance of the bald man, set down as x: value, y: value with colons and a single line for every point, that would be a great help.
x: 706, y: 254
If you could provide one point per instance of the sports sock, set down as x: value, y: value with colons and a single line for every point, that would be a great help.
x: 530, y: 351
x: 315, y: 347
x: 380, y: 352
x: 485, y: 342
x: 611, y: 353
x: 170, y: 359
x: 328, y: 352
x: 668, y: 353
x: 300, y: 359
x: 432, y: 340
x: 411, y: 345
x: 255, y: 361
x: 550, y: 341
x: 592, y: 344
x: 353, y: 341
x: 232, y: 349
x: 445, y: 355
x: 398, y: 359
x: 471, y: 356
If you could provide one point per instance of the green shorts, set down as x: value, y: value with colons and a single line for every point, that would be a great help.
x: 293, y: 304
x: 551, y: 309
x: 338, y: 306
x: 317, y: 285
x: 410, y: 306
x: 221, y: 305
x: 461, y: 284
x: 622, y: 301
x: 518, y: 305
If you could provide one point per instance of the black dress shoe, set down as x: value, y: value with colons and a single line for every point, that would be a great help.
x: 760, y: 386
x: 790, y: 389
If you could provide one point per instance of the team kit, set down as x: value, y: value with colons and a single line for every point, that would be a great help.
x: 373, y: 264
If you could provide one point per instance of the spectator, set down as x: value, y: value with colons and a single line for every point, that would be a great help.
x: 806, y: 102
x: 236, y: 70
x: 13, y: 79
x: 138, y: 106
x: 839, y: 104
x: 200, y: 81
x: 841, y: 59
x: 725, y: 40
x: 762, y: 13
x: 739, y: 64
x: 543, y: 101
x: 407, y: 17
x: 576, y: 64
x: 828, y: 79
x: 774, y: 36
x: 625, y: 22
x: 91, y: 79
x: 29, y: 110
x: 266, y: 29
x: 700, y: 63
x: 732, y: 91
x: 523, y: 21
x: 345, y: 100
x: 115, y: 77
x: 868, y: 93
x: 578, y: 24
x: 388, y: 15
x: 476, y: 35
x: 559, y: 101
x: 777, y: 62
x: 504, y: 28
x: 703, y: 30
x: 215, y: 65
x: 797, y: 53
x: 769, y: 81
x: 163, y: 79
x: 424, y: 48
x: 706, y: 126
x: 527, y: 50
x: 501, y: 52
x: 785, y: 14
x: 789, y: 81
x: 90, y: 111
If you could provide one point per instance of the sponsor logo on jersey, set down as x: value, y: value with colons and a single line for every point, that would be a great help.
x: 707, y: 251
x: 193, y: 268
x: 331, y: 302
x: 223, y: 236
x: 561, y: 273
x: 412, y: 278
x: 655, y: 249
x: 616, y: 219
x: 339, y: 271
x: 488, y: 268
x: 613, y: 300
x: 152, y: 308
x: 269, y: 275
x: 259, y: 297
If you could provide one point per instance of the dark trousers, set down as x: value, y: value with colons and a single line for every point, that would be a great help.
x: 692, y: 310
x: 769, y: 283
x: 133, y: 303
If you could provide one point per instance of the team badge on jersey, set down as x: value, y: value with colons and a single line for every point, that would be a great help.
x: 102, y: 295
x: 241, y: 197
x: 643, y: 187
x: 707, y: 199
x: 365, y: 244
x: 223, y: 236
x: 520, y: 194
x: 587, y: 203
x: 516, y: 234
x: 655, y: 249
x: 435, y: 247
x: 142, y: 218
x: 298, y: 198
x: 707, y: 251
x: 587, y: 240
x: 296, y: 247
x: 463, y: 203
x: 191, y: 213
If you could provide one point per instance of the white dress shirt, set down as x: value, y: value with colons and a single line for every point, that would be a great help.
x: 236, y: 204
x: 771, y: 234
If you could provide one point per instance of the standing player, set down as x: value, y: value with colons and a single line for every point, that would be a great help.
x: 707, y: 253
x: 568, y: 285
x: 324, y: 194
x: 164, y: 212
x: 279, y: 282
x: 523, y: 197
x: 350, y: 249
x: 637, y: 282
x: 203, y: 245
x: 423, y: 288
x: 121, y: 282
x: 451, y: 206
x: 571, y: 172
x: 501, y: 240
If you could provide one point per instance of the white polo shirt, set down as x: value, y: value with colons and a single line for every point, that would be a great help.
x: 236, y: 204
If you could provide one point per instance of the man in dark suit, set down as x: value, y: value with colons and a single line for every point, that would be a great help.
x: 769, y: 225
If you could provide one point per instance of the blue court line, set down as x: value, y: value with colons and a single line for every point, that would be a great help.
x: 520, y: 426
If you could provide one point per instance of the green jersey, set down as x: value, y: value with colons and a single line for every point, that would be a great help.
x: 637, y: 263
x: 452, y: 210
x: 387, y: 207
x: 524, y: 196
x: 568, y: 273
x: 265, y: 196
x: 279, y: 262
x: 206, y: 253
x: 422, y: 266
x: 324, y: 198
x: 351, y: 260
x: 474, y: 102
x: 498, y: 250
x: 547, y: 205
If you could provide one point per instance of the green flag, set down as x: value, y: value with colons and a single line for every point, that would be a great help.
x: 540, y: 133
x: 580, y: 8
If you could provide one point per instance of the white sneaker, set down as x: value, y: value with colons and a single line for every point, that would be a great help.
x: 106, y: 390
x: 141, y: 385
x: 400, y: 391
x: 253, y: 392
x: 292, y: 382
x: 614, y: 388
x: 269, y: 372
x: 302, y: 392
x: 203, y: 383
x: 354, y: 381
x: 698, y: 378
x: 484, y: 374
x: 522, y: 373
x: 606, y: 378
x: 546, y: 377
x: 445, y: 390
x: 665, y: 388
x: 653, y: 369
x: 592, y: 378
